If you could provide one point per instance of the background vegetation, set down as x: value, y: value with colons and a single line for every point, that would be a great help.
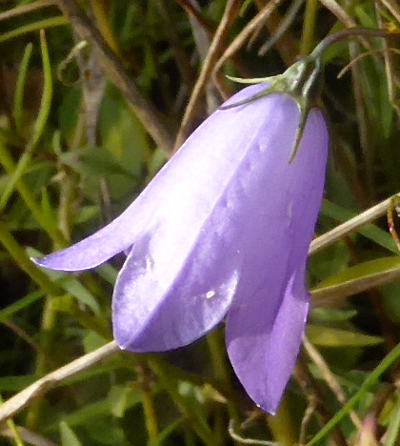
x: 94, y: 95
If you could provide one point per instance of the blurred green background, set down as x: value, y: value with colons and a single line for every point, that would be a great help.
x: 92, y: 97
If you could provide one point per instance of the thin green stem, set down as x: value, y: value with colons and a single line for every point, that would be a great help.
x: 20, y: 87
x: 281, y: 425
x: 9, y: 166
x: 147, y: 404
x: 320, y: 49
x: 35, y: 26
x: 25, y: 263
x: 198, y: 424
x: 372, y: 379
x: 307, y: 38
x: 38, y: 127
x: 221, y: 369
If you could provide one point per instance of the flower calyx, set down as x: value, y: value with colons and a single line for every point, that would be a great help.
x: 302, y: 81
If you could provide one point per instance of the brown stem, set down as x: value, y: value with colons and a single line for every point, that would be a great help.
x: 231, y: 10
x: 313, y: 393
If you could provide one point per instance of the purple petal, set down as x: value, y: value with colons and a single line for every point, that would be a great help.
x: 181, y: 276
x: 189, y: 166
x: 266, y: 320
x: 227, y: 190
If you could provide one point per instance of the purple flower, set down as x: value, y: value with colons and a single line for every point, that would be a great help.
x: 222, y: 230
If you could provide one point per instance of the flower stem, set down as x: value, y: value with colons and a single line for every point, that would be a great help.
x: 147, y: 404
x: 198, y: 424
x: 320, y: 49
x: 281, y: 425
x: 221, y: 369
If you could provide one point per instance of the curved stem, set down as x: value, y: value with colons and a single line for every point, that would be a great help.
x: 346, y: 34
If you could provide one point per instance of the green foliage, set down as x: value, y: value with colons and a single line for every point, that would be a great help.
x: 74, y: 151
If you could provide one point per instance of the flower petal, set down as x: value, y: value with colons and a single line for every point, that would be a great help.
x: 266, y: 320
x: 181, y: 276
x: 207, y: 234
x: 186, y: 168
x: 263, y: 342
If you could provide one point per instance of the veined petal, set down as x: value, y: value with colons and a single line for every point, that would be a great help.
x: 263, y: 342
x: 266, y: 320
x: 181, y: 276
x: 186, y: 171
x: 208, y: 233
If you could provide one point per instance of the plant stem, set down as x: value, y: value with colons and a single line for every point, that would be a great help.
x: 9, y: 166
x: 25, y: 263
x: 372, y: 379
x: 308, y: 27
x: 170, y: 384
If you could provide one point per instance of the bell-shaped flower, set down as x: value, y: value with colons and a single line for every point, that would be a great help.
x: 222, y: 231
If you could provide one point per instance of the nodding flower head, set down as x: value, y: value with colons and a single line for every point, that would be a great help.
x: 222, y: 231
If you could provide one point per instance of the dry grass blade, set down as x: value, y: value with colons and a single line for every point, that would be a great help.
x: 327, y: 294
x: 24, y: 9
x: 19, y: 401
x: 231, y: 10
x: 329, y: 378
x: 246, y: 32
x: 321, y: 242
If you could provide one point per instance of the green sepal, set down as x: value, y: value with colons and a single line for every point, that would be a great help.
x: 302, y: 81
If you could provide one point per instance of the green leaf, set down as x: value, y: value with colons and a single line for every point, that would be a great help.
x: 15, y: 383
x: 121, y: 133
x: 20, y: 304
x: 331, y: 314
x: 96, y: 161
x: 336, y: 337
x: 122, y: 398
x: 70, y: 284
x: 68, y: 436
x: 358, y: 278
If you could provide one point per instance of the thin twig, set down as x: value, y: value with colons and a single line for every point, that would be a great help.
x: 24, y: 9
x: 117, y: 74
x: 321, y: 242
x: 242, y: 440
x: 285, y: 24
x: 389, y: 65
x: 19, y: 401
x: 393, y: 7
x: 344, y: 18
x: 312, y: 391
x: 329, y: 377
x: 25, y: 336
x: 230, y: 12
x: 339, y: 12
x: 382, y: 51
x: 287, y: 45
x: 192, y: 11
x: 246, y: 32
x: 27, y: 436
